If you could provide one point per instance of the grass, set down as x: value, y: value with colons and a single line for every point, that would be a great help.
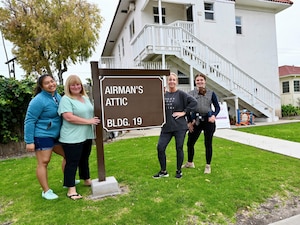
x: 242, y: 177
x: 287, y: 131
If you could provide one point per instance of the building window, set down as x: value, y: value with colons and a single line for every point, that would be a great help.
x: 296, y: 86
x: 209, y: 11
x: 119, y: 52
x: 131, y: 29
x: 238, y: 24
x: 285, y: 87
x: 156, y: 14
x: 123, y: 47
x: 182, y: 78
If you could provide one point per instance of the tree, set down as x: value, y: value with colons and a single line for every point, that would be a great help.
x: 49, y: 35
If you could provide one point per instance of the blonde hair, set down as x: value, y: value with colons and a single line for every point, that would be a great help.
x: 175, y: 75
x: 73, y: 79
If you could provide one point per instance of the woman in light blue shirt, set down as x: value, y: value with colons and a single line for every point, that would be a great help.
x: 76, y: 133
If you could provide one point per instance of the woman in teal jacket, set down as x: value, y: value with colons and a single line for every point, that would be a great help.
x: 41, y: 129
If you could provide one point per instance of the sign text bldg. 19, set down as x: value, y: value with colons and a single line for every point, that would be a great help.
x: 132, y: 102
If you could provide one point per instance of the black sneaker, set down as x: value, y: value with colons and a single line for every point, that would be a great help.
x: 161, y: 174
x: 178, y: 174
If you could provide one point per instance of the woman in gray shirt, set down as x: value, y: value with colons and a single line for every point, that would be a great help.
x: 203, y: 119
x: 177, y: 105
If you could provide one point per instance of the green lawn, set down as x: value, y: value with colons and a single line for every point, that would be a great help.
x: 242, y: 177
x: 286, y: 131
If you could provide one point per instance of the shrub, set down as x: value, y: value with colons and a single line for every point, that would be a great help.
x: 14, y: 98
x: 289, y: 110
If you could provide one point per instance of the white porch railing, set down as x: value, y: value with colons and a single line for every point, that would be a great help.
x: 112, y: 62
x: 155, y: 39
x: 185, y: 25
x: 152, y: 65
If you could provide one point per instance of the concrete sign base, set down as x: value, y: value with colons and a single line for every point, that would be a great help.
x: 109, y: 187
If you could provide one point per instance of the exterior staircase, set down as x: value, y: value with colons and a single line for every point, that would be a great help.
x: 156, y: 46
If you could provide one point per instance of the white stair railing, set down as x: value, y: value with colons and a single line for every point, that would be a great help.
x: 155, y: 39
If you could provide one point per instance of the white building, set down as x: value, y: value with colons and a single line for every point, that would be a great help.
x: 289, y: 77
x: 232, y: 42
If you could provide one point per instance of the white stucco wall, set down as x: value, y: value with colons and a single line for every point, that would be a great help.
x: 256, y: 48
x: 125, y: 59
x: 220, y: 33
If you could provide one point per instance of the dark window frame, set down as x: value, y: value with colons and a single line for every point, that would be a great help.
x: 209, y: 11
x: 285, y: 87
x: 238, y: 25
x: 297, y: 86
x: 156, y: 14
x: 131, y: 29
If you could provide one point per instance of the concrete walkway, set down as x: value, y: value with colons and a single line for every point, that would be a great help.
x: 276, y: 145
x: 294, y: 220
x: 279, y: 146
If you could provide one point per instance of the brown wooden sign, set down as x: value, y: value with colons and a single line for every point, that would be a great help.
x: 121, y: 111
x: 132, y: 102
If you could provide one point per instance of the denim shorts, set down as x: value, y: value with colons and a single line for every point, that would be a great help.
x: 44, y: 143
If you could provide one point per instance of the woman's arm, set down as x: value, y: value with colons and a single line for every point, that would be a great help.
x: 71, y: 118
x: 34, y: 110
x: 215, y: 102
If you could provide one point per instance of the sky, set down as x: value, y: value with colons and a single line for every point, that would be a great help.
x: 287, y: 27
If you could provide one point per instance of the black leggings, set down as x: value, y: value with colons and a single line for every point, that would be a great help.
x: 164, y: 139
x: 209, y: 130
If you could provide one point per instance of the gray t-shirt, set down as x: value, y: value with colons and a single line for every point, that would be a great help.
x: 177, y: 101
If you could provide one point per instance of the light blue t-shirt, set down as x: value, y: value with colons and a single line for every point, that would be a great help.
x: 75, y: 133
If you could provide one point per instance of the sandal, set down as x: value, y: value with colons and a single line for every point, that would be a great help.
x: 88, y: 182
x: 74, y: 196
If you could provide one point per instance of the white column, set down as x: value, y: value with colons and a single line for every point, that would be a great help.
x: 159, y: 12
x: 191, y: 77
x: 236, y: 101
x: 163, y: 57
x: 163, y: 64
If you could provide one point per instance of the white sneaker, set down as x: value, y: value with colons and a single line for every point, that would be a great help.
x: 76, y: 182
x: 207, y: 169
x: 188, y: 165
x: 49, y: 195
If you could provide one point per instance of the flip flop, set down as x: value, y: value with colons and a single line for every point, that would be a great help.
x: 74, y: 196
